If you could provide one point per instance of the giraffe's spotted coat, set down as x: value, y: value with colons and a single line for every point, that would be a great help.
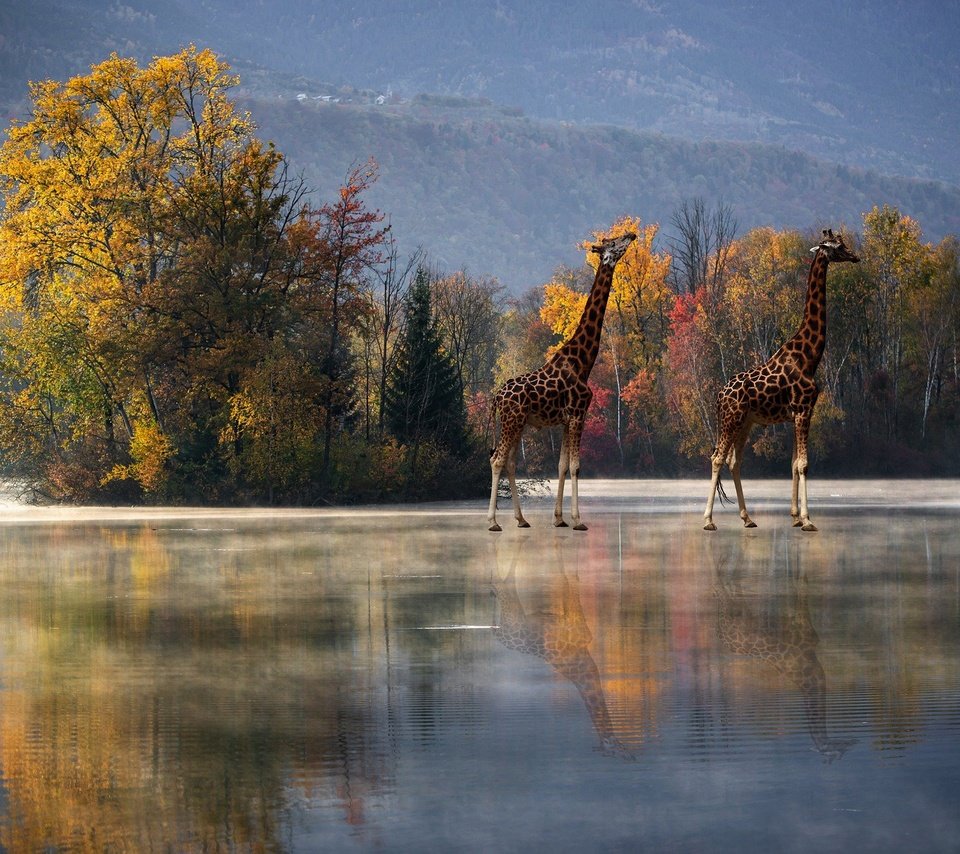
x: 555, y: 394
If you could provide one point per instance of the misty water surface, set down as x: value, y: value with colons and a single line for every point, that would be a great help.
x: 401, y: 679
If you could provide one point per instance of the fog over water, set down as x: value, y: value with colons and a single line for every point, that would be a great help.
x: 401, y: 679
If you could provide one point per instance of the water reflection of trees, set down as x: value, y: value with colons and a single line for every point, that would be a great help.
x: 104, y: 771
x: 135, y: 719
x: 198, y: 688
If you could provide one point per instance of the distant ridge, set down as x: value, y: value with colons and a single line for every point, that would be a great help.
x: 868, y: 84
x: 511, y: 196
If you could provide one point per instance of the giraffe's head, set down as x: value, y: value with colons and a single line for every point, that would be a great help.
x: 834, y: 248
x: 611, y: 249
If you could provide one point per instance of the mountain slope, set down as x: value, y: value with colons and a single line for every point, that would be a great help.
x: 873, y: 87
x: 867, y: 84
x: 511, y: 196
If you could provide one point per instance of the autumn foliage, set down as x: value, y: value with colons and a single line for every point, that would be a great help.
x: 179, y: 322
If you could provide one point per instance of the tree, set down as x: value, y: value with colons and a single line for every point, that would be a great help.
x: 525, y: 336
x: 701, y: 245
x: 895, y: 259
x: 94, y: 185
x: 354, y: 239
x: 468, y: 312
x: 381, y: 325
x: 692, y: 380
x: 424, y: 399
x: 636, y: 326
x: 159, y: 264
x: 229, y: 305
x: 763, y: 296
x: 934, y: 307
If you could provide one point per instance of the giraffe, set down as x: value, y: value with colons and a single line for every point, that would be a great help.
x: 787, y: 640
x: 556, y: 393
x: 781, y: 389
x: 561, y: 637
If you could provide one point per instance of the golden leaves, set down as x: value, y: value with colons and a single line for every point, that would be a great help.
x: 96, y: 185
x: 562, y: 308
x: 150, y: 450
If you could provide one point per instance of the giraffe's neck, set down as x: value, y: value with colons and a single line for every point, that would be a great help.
x: 808, y: 343
x: 584, y: 345
x: 578, y: 666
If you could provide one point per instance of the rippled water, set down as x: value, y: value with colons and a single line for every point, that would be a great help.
x: 401, y: 679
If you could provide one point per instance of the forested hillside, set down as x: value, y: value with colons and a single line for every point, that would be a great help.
x: 510, y: 196
x: 871, y: 85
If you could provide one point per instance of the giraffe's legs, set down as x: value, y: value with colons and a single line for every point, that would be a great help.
x: 514, y: 492
x: 795, y: 488
x: 717, y: 460
x: 561, y: 478
x: 735, y: 463
x: 573, y: 450
x: 496, y: 467
x: 501, y: 456
x: 801, y: 423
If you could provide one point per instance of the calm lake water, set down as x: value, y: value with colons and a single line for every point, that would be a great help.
x: 399, y: 679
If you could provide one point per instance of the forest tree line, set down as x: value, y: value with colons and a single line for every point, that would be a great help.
x: 179, y: 323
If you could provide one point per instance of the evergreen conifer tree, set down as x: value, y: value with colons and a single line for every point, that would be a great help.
x: 424, y: 400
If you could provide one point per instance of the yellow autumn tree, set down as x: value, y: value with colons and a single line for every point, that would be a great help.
x: 898, y: 261
x: 935, y: 311
x: 88, y: 184
x: 764, y: 295
x: 635, y: 324
x: 638, y: 297
x: 151, y: 250
x: 561, y: 309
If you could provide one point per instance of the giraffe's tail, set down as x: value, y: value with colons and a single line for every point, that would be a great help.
x: 722, y: 494
x: 491, y: 430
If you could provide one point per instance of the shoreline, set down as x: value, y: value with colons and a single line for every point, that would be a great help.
x: 603, y: 495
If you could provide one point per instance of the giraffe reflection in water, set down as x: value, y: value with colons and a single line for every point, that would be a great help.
x: 558, y: 633
x: 777, y: 629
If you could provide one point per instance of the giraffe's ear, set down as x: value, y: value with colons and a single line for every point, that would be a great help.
x: 597, y: 247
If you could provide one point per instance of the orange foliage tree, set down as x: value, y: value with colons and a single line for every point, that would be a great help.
x: 634, y: 333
